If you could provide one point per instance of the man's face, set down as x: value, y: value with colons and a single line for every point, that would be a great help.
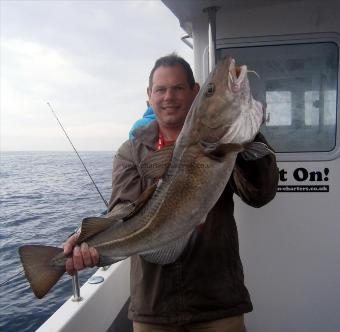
x: 171, y: 95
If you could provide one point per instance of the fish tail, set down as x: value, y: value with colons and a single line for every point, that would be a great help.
x: 41, y: 273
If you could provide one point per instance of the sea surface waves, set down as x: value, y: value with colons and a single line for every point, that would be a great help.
x: 43, y: 198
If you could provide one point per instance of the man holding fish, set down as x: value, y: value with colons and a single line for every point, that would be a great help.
x: 186, y: 272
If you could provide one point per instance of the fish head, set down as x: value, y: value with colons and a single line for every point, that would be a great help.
x: 225, y: 105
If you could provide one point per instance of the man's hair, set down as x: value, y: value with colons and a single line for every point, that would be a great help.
x: 172, y: 60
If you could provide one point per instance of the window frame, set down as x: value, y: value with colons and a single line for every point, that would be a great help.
x: 297, y: 39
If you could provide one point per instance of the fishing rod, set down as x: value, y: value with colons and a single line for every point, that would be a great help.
x: 21, y: 272
x: 88, y: 173
x: 75, y: 150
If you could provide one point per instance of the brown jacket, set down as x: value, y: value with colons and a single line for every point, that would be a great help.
x: 206, y: 282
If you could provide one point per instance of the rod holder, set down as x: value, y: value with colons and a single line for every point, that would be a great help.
x: 76, y: 288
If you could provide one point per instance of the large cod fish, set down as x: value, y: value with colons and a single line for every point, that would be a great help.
x: 222, y: 122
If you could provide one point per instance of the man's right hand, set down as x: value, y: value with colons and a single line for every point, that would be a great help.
x: 83, y: 255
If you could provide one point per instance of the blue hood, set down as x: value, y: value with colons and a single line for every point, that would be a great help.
x: 148, y: 116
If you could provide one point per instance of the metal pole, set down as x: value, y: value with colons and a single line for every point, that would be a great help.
x: 211, y: 35
x: 185, y: 40
x: 76, y: 288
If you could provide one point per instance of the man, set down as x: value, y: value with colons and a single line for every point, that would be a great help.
x: 204, y: 289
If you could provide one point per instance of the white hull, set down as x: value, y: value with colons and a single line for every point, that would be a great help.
x: 100, y: 306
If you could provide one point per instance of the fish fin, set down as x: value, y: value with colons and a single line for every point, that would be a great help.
x: 120, y: 211
x: 169, y: 253
x: 41, y: 274
x: 91, y: 226
x: 219, y: 150
x: 106, y: 260
x: 155, y: 165
x: 255, y: 150
x: 141, y: 200
x: 130, y: 209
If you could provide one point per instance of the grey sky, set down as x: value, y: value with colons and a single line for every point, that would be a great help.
x: 89, y: 59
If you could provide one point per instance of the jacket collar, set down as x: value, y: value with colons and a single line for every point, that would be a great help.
x: 148, y: 134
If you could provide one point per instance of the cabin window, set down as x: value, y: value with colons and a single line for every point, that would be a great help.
x: 313, y: 116
x: 299, y: 85
x: 279, y: 108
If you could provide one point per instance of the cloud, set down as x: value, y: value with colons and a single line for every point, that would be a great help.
x: 90, y: 59
x: 36, y: 68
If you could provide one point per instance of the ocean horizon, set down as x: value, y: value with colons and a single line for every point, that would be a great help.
x: 44, y: 195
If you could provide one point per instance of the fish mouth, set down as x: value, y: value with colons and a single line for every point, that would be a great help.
x: 236, y: 76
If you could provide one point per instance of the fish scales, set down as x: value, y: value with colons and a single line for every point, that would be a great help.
x: 222, y: 120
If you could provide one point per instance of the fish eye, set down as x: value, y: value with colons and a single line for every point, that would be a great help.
x: 210, y: 90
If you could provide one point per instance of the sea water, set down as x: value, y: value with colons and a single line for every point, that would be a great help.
x: 43, y: 198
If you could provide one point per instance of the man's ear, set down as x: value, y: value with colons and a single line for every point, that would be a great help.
x: 196, y: 88
x: 148, y: 91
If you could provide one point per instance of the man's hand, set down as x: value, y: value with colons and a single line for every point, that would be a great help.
x: 83, y: 255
